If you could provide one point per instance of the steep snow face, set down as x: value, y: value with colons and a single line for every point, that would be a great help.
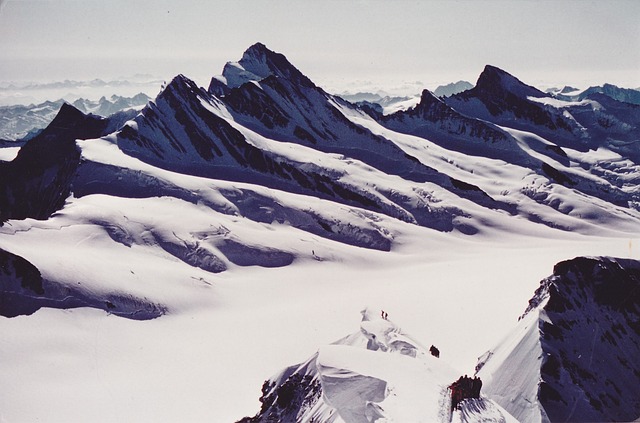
x: 177, y: 131
x: 573, y: 355
x: 474, y: 410
x: 394, y: 378
x: 511, y: 371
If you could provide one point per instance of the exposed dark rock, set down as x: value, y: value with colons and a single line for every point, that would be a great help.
x: 245, y: 255
x: 506, y: 99
x: 38, y: 181
x: 433, y: 114
x: 286, y: 106
x: 592, y: 305
x: 288, y: 397
x: 556, y: 175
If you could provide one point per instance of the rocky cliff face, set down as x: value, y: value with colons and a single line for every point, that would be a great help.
x: 433, y: 119
x: 37, y: 182
x: 501, y: 97
x: 591, y: 341
x: 576, y: 346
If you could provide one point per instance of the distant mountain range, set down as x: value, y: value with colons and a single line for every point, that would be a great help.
x: 265, y: 169
x: 140, y: 79
x: 452, y: 88
x: 626, y: 95
x: 18, y: 122
x: 386, y: 104
x: 265, y: 123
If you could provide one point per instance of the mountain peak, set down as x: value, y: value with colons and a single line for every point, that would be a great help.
x: 68, y: 112
x: 180, y: 85
x: 257, y: 49
x: 429, y: 104
x: 257, y: 63
x: 495, y: 80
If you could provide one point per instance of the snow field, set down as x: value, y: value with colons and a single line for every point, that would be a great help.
x: 208, y: 362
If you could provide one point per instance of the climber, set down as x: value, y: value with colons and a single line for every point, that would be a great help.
x: 434, y: 351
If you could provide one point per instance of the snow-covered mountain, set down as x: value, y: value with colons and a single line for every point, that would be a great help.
x: 263, y: 123
x: 19, y: 121
x: 250, y: 217
x: 573, y: 355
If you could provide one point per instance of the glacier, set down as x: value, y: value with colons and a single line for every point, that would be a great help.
x: 160, y: 264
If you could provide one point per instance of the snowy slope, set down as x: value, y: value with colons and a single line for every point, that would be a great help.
x: 239, y: 227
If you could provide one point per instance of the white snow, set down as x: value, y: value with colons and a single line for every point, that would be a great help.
x: 8, y: 153
x: 391, y: 108
x: 557, y: 103
x: 207, y: 358
x: 517, y: 386
x: 225, y: 333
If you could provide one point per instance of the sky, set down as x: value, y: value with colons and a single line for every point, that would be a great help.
x: 340, y: 45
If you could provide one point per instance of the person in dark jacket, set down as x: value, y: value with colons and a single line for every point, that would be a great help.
x: 434, y: 351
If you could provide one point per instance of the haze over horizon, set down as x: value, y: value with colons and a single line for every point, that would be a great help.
x: 338, y: 44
